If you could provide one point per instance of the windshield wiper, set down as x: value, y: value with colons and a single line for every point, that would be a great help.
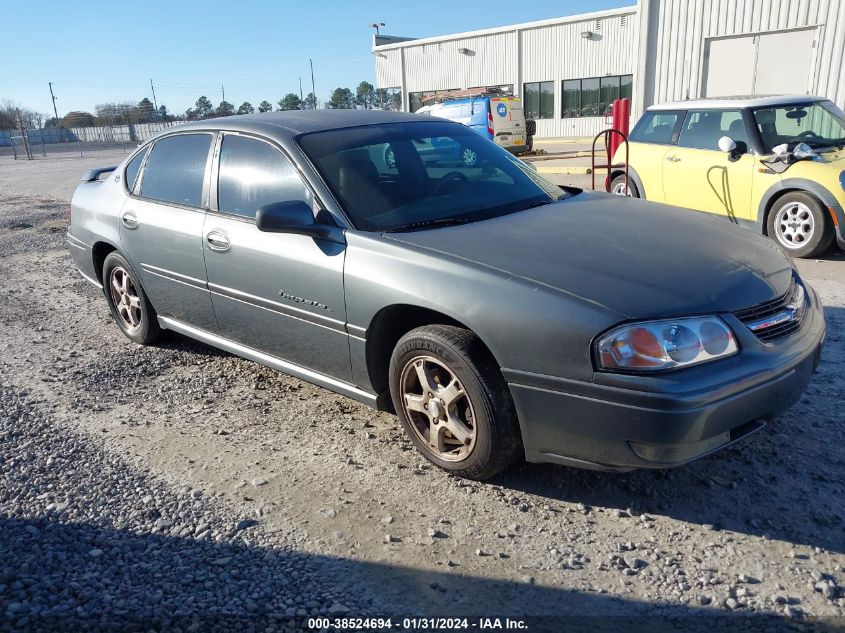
x: 424, y: 224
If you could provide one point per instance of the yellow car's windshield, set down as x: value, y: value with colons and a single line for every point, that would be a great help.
x: 819, y: 124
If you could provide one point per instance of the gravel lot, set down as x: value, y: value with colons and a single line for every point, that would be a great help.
x: 178, y: 487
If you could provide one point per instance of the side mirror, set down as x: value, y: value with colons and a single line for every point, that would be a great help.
x: 294, y: 217
x: 727, y: 144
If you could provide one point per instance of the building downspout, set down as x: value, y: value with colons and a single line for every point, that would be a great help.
x: 517, y: 86
x: 406, y: 99
x: 648, y: 13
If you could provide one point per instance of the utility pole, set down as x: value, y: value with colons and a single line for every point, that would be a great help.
x: 56, y: 112
x: 24, y: 137
x: 313, y: 89
x: 301, y: 102
x: 155, y: 103
x: 223, y: 91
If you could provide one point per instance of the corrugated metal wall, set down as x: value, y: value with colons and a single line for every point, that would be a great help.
x: 549, y: 51
x: 661, y: 42
x: 490, y: 60
x: 679, y: 30
x: 388, y: 68
x: 555, y: 53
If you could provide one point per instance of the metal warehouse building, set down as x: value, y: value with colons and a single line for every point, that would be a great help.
x: 568, y: 70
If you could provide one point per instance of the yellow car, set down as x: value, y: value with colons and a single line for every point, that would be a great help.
x: 720, y: 156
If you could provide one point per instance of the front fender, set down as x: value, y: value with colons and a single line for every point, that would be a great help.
x: 520, y: 322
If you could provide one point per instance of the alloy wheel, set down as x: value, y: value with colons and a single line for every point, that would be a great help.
x: 125, y: 297
x: 438, y: 408
x: 620, y: 189
x: 794, y: 225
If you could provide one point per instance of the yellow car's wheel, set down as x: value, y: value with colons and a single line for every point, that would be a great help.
x: 618, y: 188
x: 798, y: 222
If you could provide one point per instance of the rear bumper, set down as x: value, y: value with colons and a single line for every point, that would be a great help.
x: 668, y: 421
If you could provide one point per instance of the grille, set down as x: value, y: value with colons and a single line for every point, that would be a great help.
x: 778, y: 318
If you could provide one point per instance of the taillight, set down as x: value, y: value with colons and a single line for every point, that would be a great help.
x: 490, y: 123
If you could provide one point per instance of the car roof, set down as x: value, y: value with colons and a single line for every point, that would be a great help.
x: 742, y: 101
x: 293, y: 122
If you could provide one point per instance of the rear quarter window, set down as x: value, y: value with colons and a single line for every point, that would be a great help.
x: 132, y: 169
x: 176, y: 169
x: 657, y: 127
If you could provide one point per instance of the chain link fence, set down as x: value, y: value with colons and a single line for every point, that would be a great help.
x: 35, y: 143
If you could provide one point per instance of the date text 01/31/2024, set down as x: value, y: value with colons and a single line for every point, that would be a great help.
x: 416, y: 624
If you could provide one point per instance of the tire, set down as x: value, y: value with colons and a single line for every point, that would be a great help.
x: 130, y: 308
x: 800, y: 224
x: 617, y: 187
x: 466, y: 393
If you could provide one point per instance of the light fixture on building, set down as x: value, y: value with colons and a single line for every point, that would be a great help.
x: 376, y: 26
x: 463, y: 51
x: 587, y: 35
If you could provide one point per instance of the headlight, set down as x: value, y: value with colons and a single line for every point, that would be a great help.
x: 669, y: 344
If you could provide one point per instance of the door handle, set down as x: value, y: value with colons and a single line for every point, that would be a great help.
x: 129, y: 220
x: 673, y: 159
x: 217, y: 241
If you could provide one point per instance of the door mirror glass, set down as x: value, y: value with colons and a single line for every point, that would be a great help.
x: 727, y: 144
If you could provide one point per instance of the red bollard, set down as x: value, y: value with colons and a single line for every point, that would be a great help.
x: 624, y: 123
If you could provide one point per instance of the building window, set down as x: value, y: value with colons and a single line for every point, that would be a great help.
x: 594, y: 96
x: 415, y: 98
x: 538, y: 99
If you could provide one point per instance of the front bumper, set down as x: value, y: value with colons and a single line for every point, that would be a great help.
x: 620, y: 422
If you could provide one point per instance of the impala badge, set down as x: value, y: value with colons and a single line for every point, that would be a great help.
x: 315, y: 304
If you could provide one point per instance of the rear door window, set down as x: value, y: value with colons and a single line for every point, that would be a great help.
x: 253, y: 173
x: 656, y: 127
x: 176, y: 169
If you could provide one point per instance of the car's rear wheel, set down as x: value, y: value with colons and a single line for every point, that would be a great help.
x: 800, y: 224
x: 453, y: 402
x: 127, y: 301
x: 617, y: 187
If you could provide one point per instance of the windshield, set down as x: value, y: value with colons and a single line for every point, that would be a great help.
x: 408, y: 176
x: 819, y: 124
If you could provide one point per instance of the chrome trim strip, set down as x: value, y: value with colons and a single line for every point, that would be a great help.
x: 280, y: 308
x: 172, y: 276
x: 357, y: 332
x: 792, y: 311
x: 270, y: 361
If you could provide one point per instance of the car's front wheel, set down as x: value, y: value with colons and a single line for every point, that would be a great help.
x: 127, y: 301
x: 800, y: 224
x: 618, y: 188
x: 453, y: 402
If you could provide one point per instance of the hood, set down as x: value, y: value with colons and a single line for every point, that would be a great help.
x: 635, y: 258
